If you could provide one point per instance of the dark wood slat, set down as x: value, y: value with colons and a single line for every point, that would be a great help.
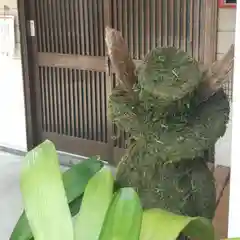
x: 39, y: 29
x: 222, y: 176
x: 143, y: 34
x: 196, y: 28
x: 171, y: 24
x: 178, y: 24
x: 92, y: 38
x: 204, y: 38
x: 85, y: 105
x: 94, y: 80
x: 99, y: 107
x: 114, y: 22
x: 76, y: 25
x: 55, y: 102
x: 130, y: 27
x: 191, y: 23
x: 59, y: 26
x: 90, y: 95
x: 119, y: 12
x: 72, y: 61
x: 59, y: 104
x: 71, y: 102
x: 47, y: 99
x: 63, y: 100
x: 159, y: 22
x: 101, y: 15
x: 63, y: 20
x: 184, y: 25
x: 49, y: 13
x: 125, y: 20
x: 51, y: 99
x: 67, y: 78
x: 137, y: 25
x: 55, y: 27
x: 82, y: 27
x: 77, y: 104
x: 43, y: 98
x: 69, y: 33
x: 103, y: 85
x: 82, y: 113
x: 96, y: 35
x: 86, y: 25
x: 165, y: 22
x: 45, y: 34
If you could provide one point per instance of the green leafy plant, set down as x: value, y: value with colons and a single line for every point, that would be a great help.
x: 74, y: 180
x: 174, y: 110
x: 106, y: 213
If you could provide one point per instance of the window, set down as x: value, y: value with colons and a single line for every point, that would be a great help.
x: 227, y: 3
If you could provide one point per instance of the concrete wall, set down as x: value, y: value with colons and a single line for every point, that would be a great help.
x: 12, y: 111
x: 226, y: 32
x: 12, y: 10
x: 226, y: 29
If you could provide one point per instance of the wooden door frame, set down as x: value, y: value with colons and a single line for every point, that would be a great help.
x: 32, y: 118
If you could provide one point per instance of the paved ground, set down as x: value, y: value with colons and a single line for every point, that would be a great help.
x: 10, y: 197
x: 11, y: 204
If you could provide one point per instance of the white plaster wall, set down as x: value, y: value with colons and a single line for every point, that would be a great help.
x: 223, y: 146
x: 234, y: 207
x: 12, y: 111
x: 226, y: 33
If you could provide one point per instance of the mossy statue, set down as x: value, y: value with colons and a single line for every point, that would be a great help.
x: 174, y: 110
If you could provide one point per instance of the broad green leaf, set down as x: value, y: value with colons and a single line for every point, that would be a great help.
x: 75, y: 205
x: 159, y: 224
x: 75, y: 180
x: 232, y: 238
x: 44, y: 196
x: 96, y: 200
x: 123, y: 220
x: 22, y: 230
x: 77, y: 177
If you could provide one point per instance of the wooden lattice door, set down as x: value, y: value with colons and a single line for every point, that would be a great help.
x: 187, y: 24
x: 69, y: 77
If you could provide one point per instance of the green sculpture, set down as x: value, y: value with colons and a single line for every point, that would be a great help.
x: 174, y: 110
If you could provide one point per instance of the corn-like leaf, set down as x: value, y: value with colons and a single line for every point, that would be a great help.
x: 75, y: 180
x: 44, y: 196
x: 123, y: 220
x: 232, y: 238
x: 96, y: 200
x: 22, y: 230
x: 159, y: 224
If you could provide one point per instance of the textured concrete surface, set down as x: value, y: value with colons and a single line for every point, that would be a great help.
x: 10, y: 197
x: 12, y: 121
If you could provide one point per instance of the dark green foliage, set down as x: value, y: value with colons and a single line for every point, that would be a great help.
x: 168, y: 74
x: 170, y: 134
